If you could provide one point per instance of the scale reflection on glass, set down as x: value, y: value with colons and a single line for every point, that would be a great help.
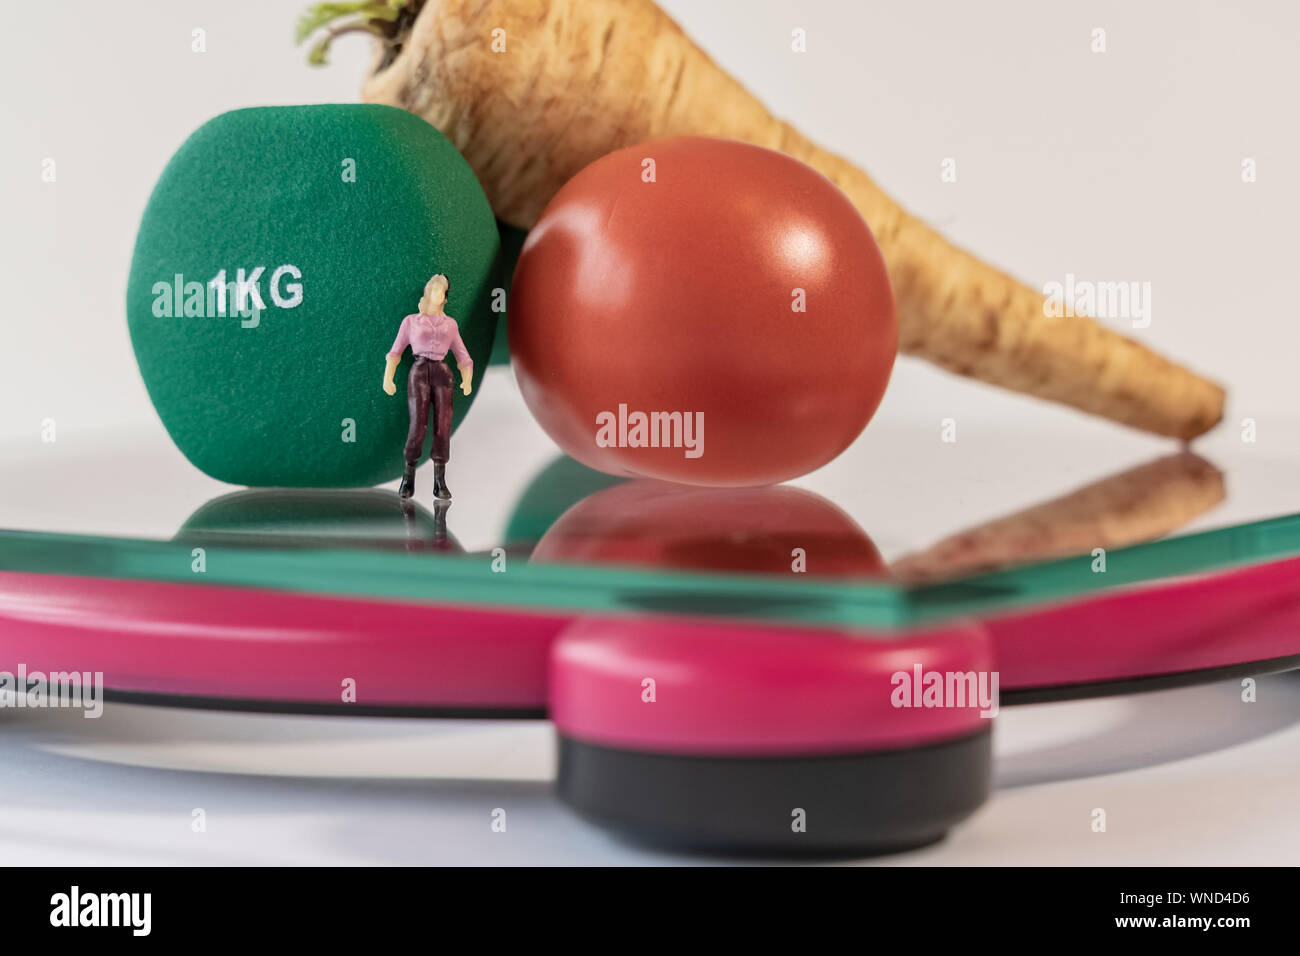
x: 1072, y: 566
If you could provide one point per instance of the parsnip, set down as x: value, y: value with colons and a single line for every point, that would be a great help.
x: 531, y: 91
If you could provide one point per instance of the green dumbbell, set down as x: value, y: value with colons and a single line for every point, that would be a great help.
x: 277, y: 256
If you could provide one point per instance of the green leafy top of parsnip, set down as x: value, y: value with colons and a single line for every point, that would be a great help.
x: 387, y: 19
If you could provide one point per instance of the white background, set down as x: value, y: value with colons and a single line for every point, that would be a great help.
x: 1116, y: 166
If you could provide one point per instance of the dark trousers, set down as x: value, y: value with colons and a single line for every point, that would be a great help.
x: 430, y: 383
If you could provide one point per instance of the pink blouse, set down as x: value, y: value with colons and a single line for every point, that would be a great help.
x: 431, y: 336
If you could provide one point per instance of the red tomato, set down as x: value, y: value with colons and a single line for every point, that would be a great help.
x: 725, y: 284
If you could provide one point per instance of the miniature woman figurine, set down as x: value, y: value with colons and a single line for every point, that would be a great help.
x: 430, y: 333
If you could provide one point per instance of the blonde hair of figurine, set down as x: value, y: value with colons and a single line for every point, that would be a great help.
x: 435, y: 295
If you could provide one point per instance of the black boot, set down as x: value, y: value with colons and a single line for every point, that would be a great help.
x: 439, y: 482
x: 407, y: 487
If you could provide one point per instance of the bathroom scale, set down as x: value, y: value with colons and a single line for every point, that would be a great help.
x: 684, y: 641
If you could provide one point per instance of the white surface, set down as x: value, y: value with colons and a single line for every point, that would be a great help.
x: 1120, y: 166
x: 903, y: 488
x: 1192, y: 776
